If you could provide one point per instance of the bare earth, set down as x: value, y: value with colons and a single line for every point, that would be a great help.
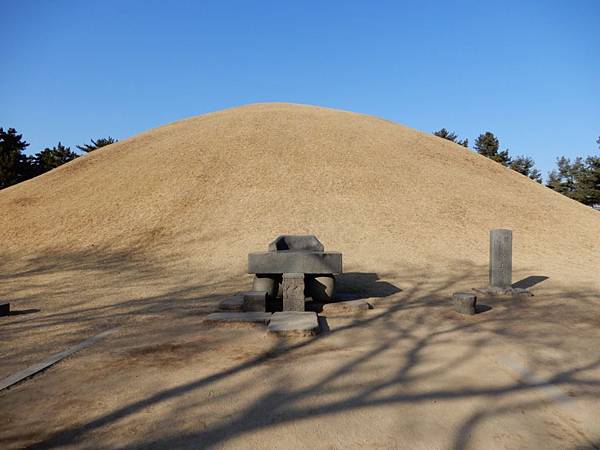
x: 149, y: 234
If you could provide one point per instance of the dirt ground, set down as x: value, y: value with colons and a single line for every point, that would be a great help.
x: 410, y: 373
x: 149, y: 234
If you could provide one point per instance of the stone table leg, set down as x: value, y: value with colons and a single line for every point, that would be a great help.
x: 293, y: 292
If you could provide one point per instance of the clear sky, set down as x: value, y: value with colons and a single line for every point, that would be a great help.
x: 529, y: 71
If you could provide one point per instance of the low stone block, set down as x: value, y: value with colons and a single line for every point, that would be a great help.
x: 464, y: 302
x: 233, y: 303
x: 293, y: 292
x: 238, y: 318
x: 4, y: 308
x: 294, y: 324
x: 347, y: 307
x: 255, y: 301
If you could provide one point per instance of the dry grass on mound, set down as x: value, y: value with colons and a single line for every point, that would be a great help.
x: 148, y: 234
x: 203, y: 192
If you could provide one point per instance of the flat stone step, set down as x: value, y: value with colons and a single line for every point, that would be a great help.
x: 347, y: 307
x: 238, y: 318
x: 233, y: 303
x: 294, y: 324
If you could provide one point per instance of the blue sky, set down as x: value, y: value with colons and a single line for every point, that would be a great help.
x: 527, y: 71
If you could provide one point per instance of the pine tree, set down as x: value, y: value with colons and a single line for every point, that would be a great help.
x: 50, y: 158
x: 451, y: 136
x: 569, y: 178
x: 526, y: 166
x: 14, y: 164
x: 589, y: 182
x: 96, y: 144
x: 488, y: 145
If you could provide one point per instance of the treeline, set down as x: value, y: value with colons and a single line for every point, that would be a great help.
x: 16, y: 166
x: 578, y: 179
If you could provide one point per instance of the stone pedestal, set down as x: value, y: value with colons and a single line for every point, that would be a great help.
x: 464, y: 302
x: 500, y: 258
x: 268, y: 283
x: 293, y: 291
x: 320, y: 287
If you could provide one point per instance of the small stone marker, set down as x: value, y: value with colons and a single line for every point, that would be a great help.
x: 237, y: 318
x: 293, y: 292
x: 347, y: 307
x: 464, y: 302
x: 4, y: 308
x: 294, y: 324
x: 255, y: 301
x: 500, y: 258
x: 233, y: 303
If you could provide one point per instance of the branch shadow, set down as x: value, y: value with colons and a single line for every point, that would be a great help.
x: 397, y: 338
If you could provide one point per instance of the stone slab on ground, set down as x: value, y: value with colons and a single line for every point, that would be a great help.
x: 4, y: 308
x: 238, y: 318
x: 347, y: 307
x: 506, y: 292
x: 233, y: 303
x: 294, y: 324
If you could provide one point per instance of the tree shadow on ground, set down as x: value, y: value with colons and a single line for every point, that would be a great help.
x: 399, y: 336
x: 398, y: 339
x: 364, y: 285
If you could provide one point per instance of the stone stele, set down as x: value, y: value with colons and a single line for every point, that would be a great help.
x: 500, y: 258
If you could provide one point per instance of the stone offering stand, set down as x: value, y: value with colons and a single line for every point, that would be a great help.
x: 300, y: 265
x: 297, y: 269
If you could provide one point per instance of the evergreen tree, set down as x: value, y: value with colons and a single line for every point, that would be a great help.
x: 563, y: 178
x: 579, y: 180
x: 50, y: 158
x: 526, y: 166
x: 590, y: 182
x: 451, y: 136
x: 96, y: 144
x: 14, y: 164
x: 488, y: 145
